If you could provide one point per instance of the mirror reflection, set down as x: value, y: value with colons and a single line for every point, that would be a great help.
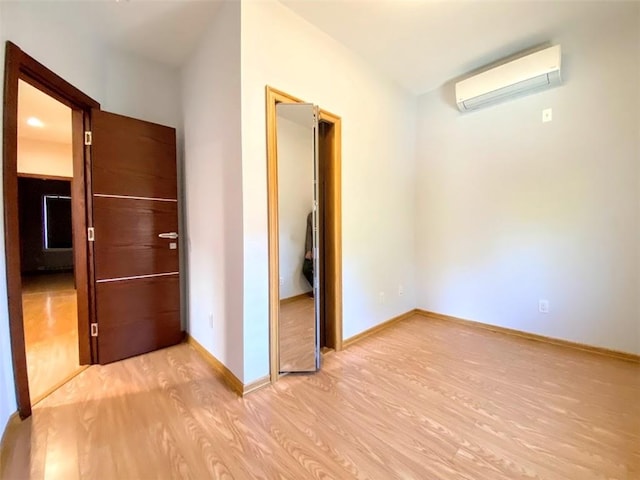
x: 296, y: 163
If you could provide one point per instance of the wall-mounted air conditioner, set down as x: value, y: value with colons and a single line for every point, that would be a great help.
x: 531, y: 73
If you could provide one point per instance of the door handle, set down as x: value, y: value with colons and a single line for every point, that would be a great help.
x: 171, y: 235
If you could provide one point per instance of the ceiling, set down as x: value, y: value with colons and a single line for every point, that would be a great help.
x: 165, y: 31
x: 423, y: 44
x: 55, y: 116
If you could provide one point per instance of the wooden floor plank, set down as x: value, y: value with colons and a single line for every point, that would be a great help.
x: 50, y: 318
x: 423, y: 399
x: 297, y: 334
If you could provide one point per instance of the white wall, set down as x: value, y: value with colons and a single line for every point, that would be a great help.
x: 120, y: 82
x: 378, y: 168
x: 295, y: 201
x: 143, y: 89
x: 213, y: 164
x: 45, y: 158
x: 512, y: 210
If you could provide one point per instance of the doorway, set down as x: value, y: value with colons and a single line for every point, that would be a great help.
x: 49, y: 296
x: 45, y: 226
x: 330, y: 233
x: 124, y: 229
x: 286, y: 303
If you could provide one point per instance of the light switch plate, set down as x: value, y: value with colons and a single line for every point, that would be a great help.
x: 547, y: 115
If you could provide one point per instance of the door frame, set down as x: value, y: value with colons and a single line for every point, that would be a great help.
x: 333, y: 234
x: 20, y: 66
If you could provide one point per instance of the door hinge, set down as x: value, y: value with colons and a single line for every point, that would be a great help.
x: 88, y: 138
x: 94, y: 329
x: 91, y: 234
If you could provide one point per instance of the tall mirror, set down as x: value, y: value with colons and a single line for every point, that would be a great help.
x: 299, y: 285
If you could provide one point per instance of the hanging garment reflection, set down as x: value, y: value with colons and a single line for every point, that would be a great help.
x: 307, y: 266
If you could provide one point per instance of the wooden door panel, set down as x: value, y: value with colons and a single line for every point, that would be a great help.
x: 128, y: 231
x: 134, y: 200
x: 144, y: 315
x: 121, y: 139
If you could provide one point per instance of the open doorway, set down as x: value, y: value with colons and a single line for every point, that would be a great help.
x: 49, y: 296
x: 329, y: 231
x: 42, y: 183
x: 124, y: 273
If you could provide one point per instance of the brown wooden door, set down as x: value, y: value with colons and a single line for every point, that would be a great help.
x: 135, y: 200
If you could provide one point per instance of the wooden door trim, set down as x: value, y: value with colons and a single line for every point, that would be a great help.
x: 333, y: 230
x: 91, y: 270
x: 38, y: 176
x: 79, y: 200
x: 333, y: 301
x: 20, y: 66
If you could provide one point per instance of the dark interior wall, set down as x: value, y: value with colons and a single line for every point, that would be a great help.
x: 34, y: 257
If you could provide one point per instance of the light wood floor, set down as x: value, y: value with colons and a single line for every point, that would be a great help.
x: 297, y: 334
x: 51, y: 330
x: 424, y: 399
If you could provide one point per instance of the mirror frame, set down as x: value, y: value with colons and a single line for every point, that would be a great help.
x: 333, y: 233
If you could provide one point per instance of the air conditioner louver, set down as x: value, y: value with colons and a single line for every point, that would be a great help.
x: 528, y: 74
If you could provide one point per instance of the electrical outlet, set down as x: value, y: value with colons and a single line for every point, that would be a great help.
x: 400, y: 290
x: 543, y: 306
x: 210, y: 319
x: 381, y: 297
x: 281, y: 281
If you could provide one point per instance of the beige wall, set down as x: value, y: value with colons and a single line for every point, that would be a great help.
x: 45, y: 158
x: 512, y: 210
